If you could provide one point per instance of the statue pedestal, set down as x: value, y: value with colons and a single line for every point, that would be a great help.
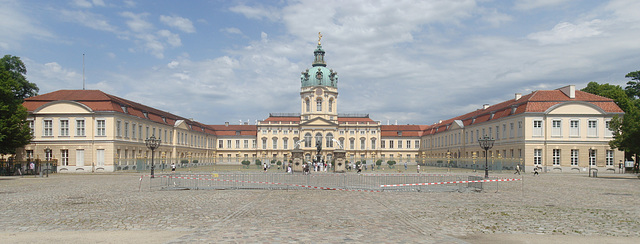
x: 298, y: 160
x: 339, y: 164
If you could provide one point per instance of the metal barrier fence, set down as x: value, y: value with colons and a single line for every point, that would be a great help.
x: 330, y: 181
x: 494, y: 164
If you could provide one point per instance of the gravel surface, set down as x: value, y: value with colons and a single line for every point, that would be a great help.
x: 117, y: 208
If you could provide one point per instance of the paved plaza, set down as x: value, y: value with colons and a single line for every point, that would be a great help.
x: 119, y: 208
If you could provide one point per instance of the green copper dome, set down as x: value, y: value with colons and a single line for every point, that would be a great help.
x: 319, y: 74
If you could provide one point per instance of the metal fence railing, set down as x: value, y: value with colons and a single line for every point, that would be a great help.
x: 330, y: 181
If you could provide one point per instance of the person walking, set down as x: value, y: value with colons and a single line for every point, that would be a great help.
x: 517, y: 169
x: 418, y: 169
x: 535, y: 171
x: 173, y: 167
x: 405, y: 165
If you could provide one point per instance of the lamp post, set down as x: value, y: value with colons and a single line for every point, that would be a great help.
x: 152, y: 143
x: 486, y: 143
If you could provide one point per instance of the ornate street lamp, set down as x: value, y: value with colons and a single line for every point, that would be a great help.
x: 152, y: 143
x: 486, y: 143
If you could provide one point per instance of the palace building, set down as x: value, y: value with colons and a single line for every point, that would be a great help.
x: 88, y: 131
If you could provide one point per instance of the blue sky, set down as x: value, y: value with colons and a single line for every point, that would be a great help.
x: 416, y: 62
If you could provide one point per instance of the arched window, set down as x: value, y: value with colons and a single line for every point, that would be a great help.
x: 285, y: 143
x: 318, y: 139
x: 329, y: 140
x: 308, y: 105
x: 331, y: 105
x: 319, y: 105
x: 307, y: 140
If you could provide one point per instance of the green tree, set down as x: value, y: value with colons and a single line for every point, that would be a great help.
x: 626, y: 128
x: 14, y: 88
x: 633, y: 86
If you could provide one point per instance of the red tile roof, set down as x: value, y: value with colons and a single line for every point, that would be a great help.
x: 99, y: 101
x: 537, y: 101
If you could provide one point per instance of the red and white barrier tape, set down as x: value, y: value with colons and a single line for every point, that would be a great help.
x: 450, y: 182
x: 263, y: 182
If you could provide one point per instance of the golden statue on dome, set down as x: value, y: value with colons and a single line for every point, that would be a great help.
x: 319, y: 38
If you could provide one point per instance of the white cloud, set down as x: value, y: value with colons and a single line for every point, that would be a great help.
x: 495, y: 18
x: 137, y: 22
x: 16, y: 25
x: 88, y: 4
x: 88, y: 19
x: 567, y: 32
x: 172, y: 39
x: 258, y: 12
x: 182, y: 24
x: 52, y: 76
x: 232, y: 30
x: 533, y: 4
x: 173, y: 64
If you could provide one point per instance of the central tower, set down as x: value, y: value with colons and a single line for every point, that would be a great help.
x: 319, y: 91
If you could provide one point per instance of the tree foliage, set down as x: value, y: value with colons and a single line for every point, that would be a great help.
x: 626, y: 128
x: 14, y: 88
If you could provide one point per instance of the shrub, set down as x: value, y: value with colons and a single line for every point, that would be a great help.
x: 273, y: 161
x: 184, y: 161
x: 379, y: 162
x: 391, y: 163
x: 279, y: 163
x: 245, y: 162
x: 258, y: 162
x: 195, y: 161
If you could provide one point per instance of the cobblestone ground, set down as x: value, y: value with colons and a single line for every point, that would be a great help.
x: 112, y: 206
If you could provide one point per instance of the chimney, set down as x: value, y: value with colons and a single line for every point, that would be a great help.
x: 485, y: 106
x: 518, y: 96
x: 569, y: 91
x: 226, y: 123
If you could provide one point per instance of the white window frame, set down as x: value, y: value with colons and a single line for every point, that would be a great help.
x: 574, y: 128
x: 609, y: 158
x: 64, y: 157
x: 593, y: 157
x: 537, y: 127
x: 592, y: 128
x: 81, y: 126
x: 537, y: 157
x: 556, y: 128
x: 556, y: 157
x: 101, y: 128
x: 607, y: 129
x: 47, y: 127
x: 64, y: 129
x: 575, y: 157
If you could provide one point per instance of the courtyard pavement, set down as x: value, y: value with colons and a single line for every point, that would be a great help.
x: 121, y: 208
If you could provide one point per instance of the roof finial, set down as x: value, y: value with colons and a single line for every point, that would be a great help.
x: 319, y: 38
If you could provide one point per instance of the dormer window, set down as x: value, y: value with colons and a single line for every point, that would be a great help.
x: 164, y: 119
x: 399, y: 133
x: 491, y: 117
x: 473, y: 120
x: 146, y: 115
x: 513, y: 109
x: 124, y: 109
x: 237, y: 133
